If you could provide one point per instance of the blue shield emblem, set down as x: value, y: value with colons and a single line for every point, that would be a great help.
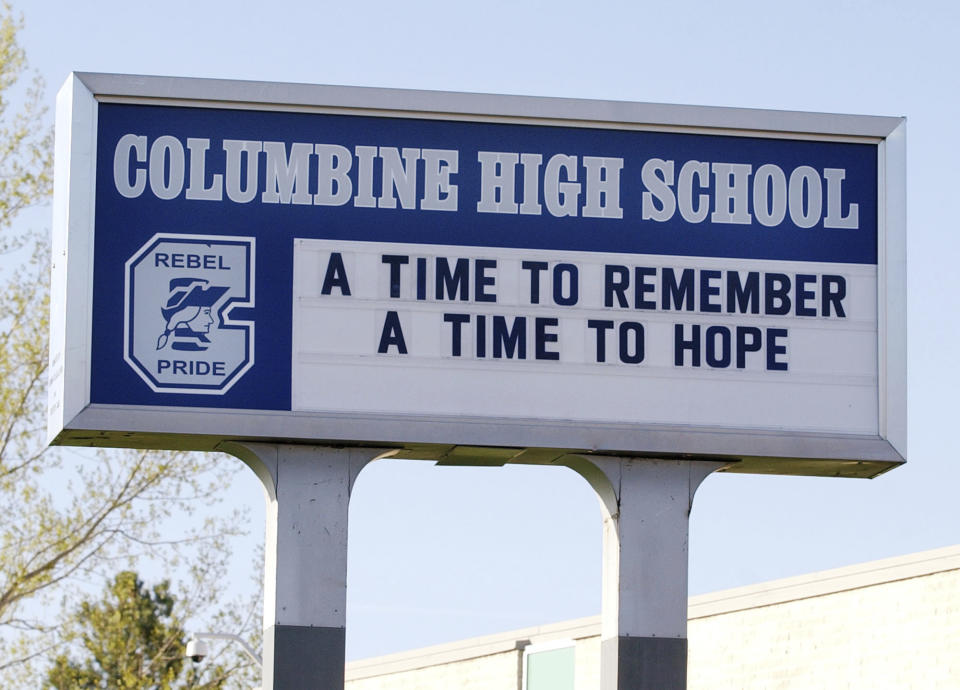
x: 180, y: 294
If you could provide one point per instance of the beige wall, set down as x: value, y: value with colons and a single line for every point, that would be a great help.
x: 492, y: 672
x: 892, y: 624
x: 903, y: 634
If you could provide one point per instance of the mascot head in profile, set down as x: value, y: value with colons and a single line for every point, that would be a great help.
x: 188, y: 314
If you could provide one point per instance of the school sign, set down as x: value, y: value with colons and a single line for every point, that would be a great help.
x: 484, y: 277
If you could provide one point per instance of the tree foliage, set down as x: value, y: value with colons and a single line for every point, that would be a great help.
x: 26, y: 145
x: 132, y: 638
x: 70, y: 518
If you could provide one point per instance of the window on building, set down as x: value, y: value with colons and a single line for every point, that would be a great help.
x: 549, y: 666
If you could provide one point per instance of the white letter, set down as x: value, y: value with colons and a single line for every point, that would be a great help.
x: 402, y: 178
x: 603, y: 181
x: 364, y: 197
x: 531, y: 183
x: 334, y: 162
x: 286, y: 179
x: 561, y: 197
x: 235, y: 149
x: 166, y: 187
x: 805, y: 176
x: 197, y: 188
x: 769, y: 214
x: 727, y: 191
x: 685, y: 191
x: 121, y: 166
x: 834, y: 217
x: 659, y: 186
x: 438, y: 165
x: 497, y: 171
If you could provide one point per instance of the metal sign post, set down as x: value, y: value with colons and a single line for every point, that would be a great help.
x: 305, y: 579
x: 646, y: 505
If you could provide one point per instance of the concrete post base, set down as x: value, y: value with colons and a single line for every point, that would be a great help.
x: 644, y: 662
x: 296, y: 656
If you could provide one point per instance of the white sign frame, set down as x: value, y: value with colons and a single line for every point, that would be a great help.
x: 73, y: 420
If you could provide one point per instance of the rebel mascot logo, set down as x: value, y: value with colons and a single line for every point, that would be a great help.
x: 180, y: 292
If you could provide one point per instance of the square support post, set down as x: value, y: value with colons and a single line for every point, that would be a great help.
x: 305, y: 577
x: 646, y: 505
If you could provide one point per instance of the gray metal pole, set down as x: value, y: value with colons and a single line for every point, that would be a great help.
x: 646, y: 506
x: 305, y: 578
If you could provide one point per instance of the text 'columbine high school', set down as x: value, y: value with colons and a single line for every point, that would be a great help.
x: 562, y: 184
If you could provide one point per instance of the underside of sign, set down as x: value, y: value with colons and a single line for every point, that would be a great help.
x: 476, y: 279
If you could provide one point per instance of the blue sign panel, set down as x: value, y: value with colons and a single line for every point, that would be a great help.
x: 198, y: 213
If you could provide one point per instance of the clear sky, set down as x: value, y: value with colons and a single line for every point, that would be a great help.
x: 438, y: 554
